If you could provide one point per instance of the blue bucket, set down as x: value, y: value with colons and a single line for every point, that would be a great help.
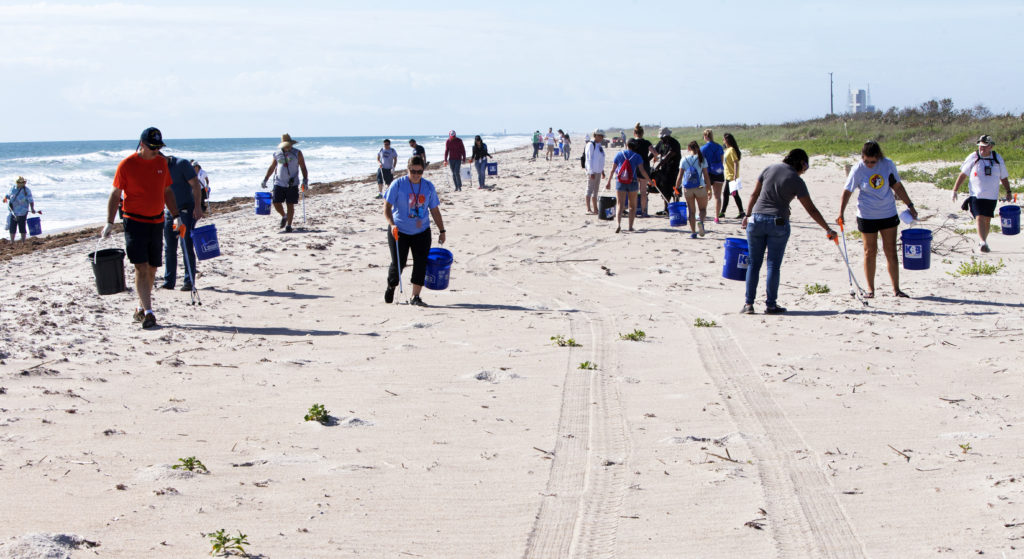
x: 439, y: 267
x: 1009, y: 220
x: 35, y: 226
x: 917, y: 249
x: 492, y: 169
x: 557, y: 151
x: 677, y: 214
x: 205, y: 240
x: 263, y: 200
x: 737, y: 257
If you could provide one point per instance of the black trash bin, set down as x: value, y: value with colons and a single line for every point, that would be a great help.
x: 108, y: 267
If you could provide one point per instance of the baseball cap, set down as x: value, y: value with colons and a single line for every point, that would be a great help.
x: 451, y: 133
x: 664, y: 132
x: 152, y: 138
x: 986, y: 140
x: 599, y: 132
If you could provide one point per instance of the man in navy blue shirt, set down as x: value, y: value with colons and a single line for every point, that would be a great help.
x: 186, y: 190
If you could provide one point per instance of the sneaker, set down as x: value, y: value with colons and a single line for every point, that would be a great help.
x: 149, y: 321
x: 284, y: 221
x: 139, y: 315
x: 716, y: 221
x: 186, y: 287
x: 662, y: 212
x: 693, y: 235
x: 700, y: 227
x: 741, y: 215
x: 747, y: 309
x: 287, y: 228
x: 722, y: 214
x: 983, y: 247
x: 389, y: 294
x: 775, y: 310
x: 418, y: 302
x: 166, y: 285
x: 379, y: 196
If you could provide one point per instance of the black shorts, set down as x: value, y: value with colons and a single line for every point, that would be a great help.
x: 144, y: 242
x: 16, y: 223
x: 716, y: 177
x: 384, y: 176
x: 982, y: 207
x: 288, y: 194
x: 876, y: 225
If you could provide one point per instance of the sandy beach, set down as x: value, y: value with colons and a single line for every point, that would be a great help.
x: 461, y: 430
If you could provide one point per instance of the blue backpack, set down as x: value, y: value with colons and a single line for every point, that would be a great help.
x: 691, y: 177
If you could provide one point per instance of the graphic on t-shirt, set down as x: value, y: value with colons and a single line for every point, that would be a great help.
x: 417, y: 206
x: 876, y: 181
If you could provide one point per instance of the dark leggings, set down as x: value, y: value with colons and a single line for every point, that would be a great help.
x: 725, y: 199
x: 665, y: 179
x: 420, y: 245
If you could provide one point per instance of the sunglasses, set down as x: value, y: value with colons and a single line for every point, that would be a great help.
x: 870, y: 161
x: 415, y: 171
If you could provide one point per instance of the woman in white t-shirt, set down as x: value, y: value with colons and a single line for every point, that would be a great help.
x: 877, y: 183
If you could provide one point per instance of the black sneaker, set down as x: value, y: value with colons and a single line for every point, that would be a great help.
x: 418, y: 302
x: 149, y: 321
x: 139, y: 315
x: 166, y: 286
x: 747, y: 309
x: 775, y: 310
x: 284, y: 221
x: 288, y: 229
x: 186, y: 287
x: 389, y: 294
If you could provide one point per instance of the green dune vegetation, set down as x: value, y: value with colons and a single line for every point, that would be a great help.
x: 932, y: 131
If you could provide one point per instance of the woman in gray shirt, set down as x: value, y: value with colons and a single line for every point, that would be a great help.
x: 767, y: 223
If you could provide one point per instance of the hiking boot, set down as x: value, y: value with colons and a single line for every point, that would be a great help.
x: 139, y: 315
x: 775, y: 310
x: 288, y: 229
x: 165, y: 285
x: 389, y: 294
x: 418, y: 302
x: 149, y: 321
x: 747, y: 309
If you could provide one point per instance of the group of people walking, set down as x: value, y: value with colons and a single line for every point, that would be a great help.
x: 160, y: 196
x: 551, y: 142
x: 713, y: 171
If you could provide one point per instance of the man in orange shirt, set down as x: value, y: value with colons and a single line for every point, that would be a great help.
x: 142, y: 187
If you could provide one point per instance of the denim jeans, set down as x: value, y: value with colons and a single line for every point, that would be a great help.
x: 171, y: 247
x: 763, y: 234
x: 456, y: 165
x: 481, y: 170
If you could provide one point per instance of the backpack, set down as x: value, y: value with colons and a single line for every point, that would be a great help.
x: 994, y: 159
x: 583, y: 158
x: 691, y: 177
x: 625, y: 174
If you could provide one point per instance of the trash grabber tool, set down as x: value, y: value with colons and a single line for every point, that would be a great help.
x: 188, y: 267
x: 858, y: 293
x: 846, y: 257
x: 303, y: 192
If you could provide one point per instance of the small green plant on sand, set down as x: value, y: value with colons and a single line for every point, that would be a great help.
x: 972, y: 230
x: 977, y: 268
x: 701, y: 323
x: 855, y: 235
x: 634, y: 336
x: 965, y: 448
x: 224, y: 545
x: 588, y: 366
x: 190, y: 464
x: 318, y: 413
x: 815, y: 288
x: 562, y: 341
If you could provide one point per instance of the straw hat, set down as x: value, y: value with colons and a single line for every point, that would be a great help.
x: 286, y: 141
x: 21, y: 180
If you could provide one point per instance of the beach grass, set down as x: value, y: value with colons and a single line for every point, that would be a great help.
x: 933, y: 131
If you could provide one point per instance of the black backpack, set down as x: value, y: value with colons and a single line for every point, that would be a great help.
x: 583, y: 158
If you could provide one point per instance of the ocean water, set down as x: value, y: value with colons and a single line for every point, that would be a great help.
x: 71, y: 181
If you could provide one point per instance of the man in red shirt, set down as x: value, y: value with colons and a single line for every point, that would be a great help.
x: 142, y: 187
x: 454, y: 154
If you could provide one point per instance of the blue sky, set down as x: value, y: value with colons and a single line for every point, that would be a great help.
x: 92, y: 70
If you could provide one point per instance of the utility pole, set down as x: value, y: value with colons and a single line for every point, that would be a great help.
x: 831, y: 97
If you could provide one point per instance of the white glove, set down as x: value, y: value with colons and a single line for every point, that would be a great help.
x: 305, y: 184
x: 264, y: 185
x: 177, y: 223
x: 106, y: 230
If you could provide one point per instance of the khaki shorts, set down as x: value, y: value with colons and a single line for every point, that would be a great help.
x: 593, y: 185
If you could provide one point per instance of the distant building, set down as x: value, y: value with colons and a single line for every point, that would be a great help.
x: 860, y: 101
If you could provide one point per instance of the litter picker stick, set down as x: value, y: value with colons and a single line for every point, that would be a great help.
x: 398, y: 263
x: 859, y: 293
x: 842, y: 231
x: 303, y: 191
x: 188, y: 267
